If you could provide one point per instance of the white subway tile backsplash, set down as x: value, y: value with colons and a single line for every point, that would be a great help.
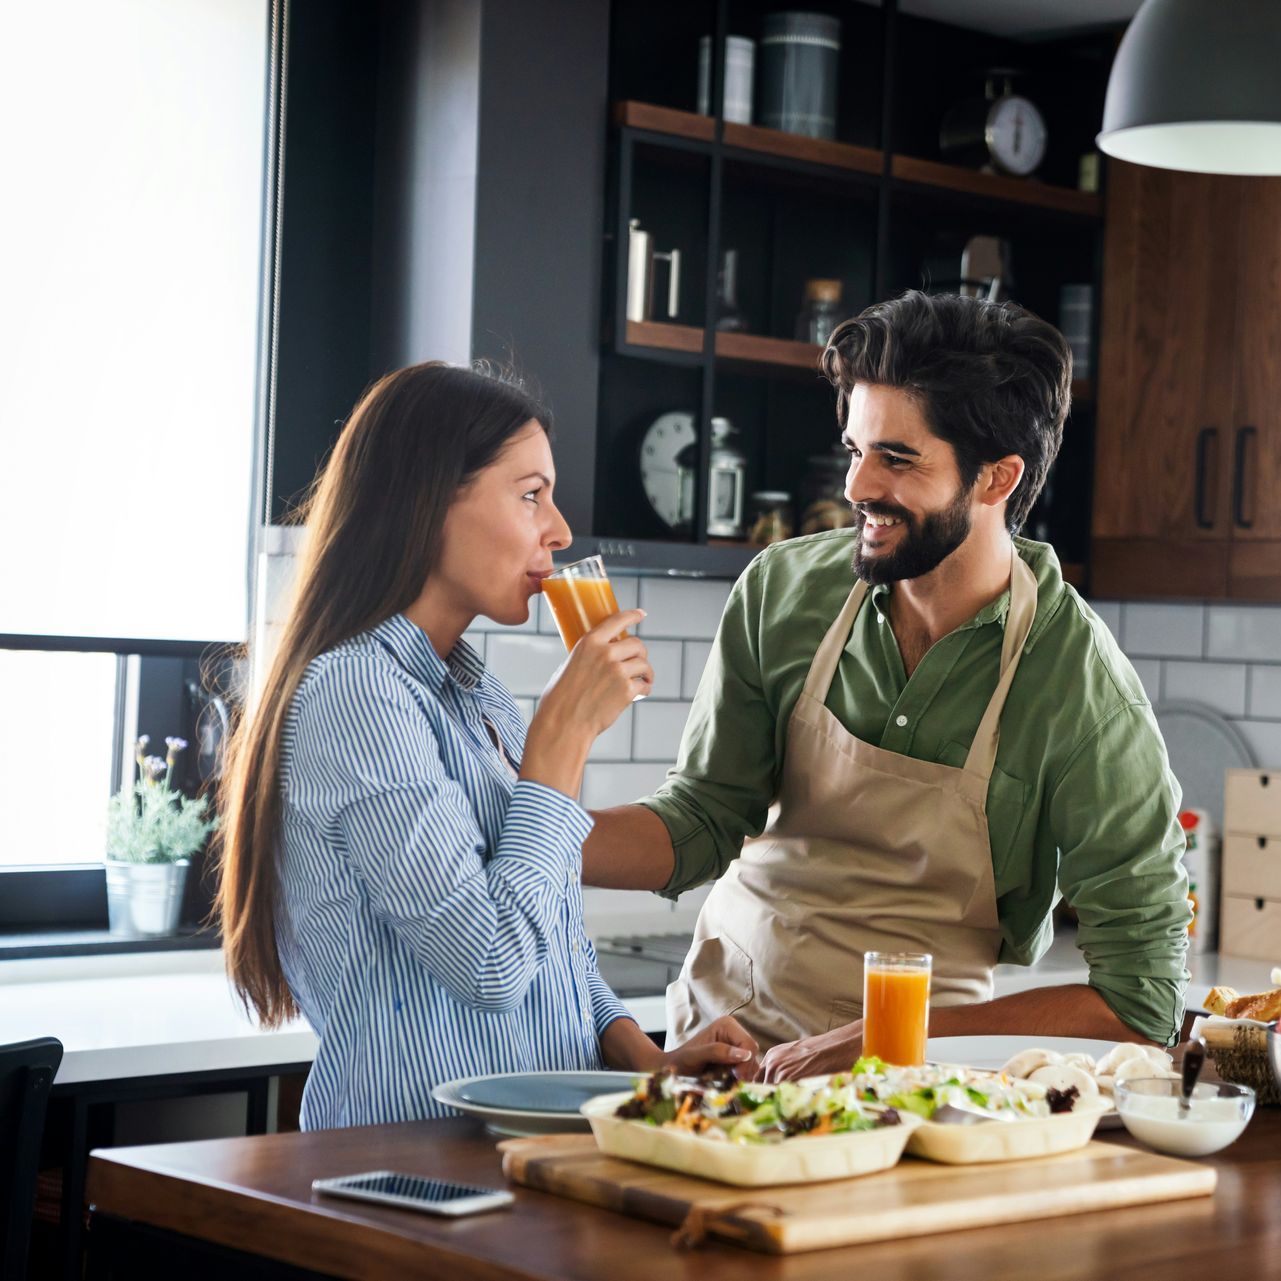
x: 659, y: 727
x: 1265, y: 691
x: 682, y: 607
x: 1265, y: 738
x: 615, y: 744
x: 1148, y: 670
x: 1162, y: 631
x: 523, y: 662
x: 665, y: 658
x: 696, y: 655
x: 1252, y: 632
x: 607, y: 784
x: 1110, y: 612
x: 1217, y: 685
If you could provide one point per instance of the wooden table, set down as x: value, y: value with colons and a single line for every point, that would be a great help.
x: 243, y: 1208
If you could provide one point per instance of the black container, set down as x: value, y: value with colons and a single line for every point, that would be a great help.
x: 799, y: 57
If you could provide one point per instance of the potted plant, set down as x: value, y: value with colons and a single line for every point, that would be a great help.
x: 152, y: 831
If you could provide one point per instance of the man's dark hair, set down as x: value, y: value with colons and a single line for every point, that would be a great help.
x: 990, y: 378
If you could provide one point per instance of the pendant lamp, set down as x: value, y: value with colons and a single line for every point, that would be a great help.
x: 1196, y: 85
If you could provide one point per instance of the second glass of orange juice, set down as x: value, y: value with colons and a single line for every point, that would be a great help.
x: 896, y: 1006
x: 579, y: 596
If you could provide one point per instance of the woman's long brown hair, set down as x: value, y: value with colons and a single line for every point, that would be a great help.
x: 374, y: 520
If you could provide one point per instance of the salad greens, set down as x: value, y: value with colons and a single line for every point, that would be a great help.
x: 872, y: 1094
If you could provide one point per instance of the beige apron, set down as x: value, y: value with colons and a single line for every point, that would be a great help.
x: 868, y: 850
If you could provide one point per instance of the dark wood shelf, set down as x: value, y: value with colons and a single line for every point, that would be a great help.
x: 749, y: 349
x: 994, y: 186
x: 844, y: 156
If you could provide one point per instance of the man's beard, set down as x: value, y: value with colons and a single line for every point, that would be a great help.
x: 920, y: 549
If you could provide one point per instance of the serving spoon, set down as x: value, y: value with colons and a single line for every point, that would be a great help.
x: 1193, y: 1062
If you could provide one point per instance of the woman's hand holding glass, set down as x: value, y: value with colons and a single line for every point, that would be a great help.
x: 605, y: 671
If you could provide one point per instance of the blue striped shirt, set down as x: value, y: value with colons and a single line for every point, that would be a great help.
x: 430, y: 914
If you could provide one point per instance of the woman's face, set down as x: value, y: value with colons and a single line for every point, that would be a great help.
x: 500, y: 533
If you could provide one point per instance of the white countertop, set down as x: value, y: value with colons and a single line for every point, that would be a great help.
x: 153, y: 1014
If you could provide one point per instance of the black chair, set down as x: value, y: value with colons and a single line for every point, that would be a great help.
x: 27, y: 1070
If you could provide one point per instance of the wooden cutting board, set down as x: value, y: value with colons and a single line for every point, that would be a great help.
x: 913, y: 1198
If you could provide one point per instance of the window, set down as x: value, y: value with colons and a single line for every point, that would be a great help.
x: 131, y: 325
x: 56, y: 754
x: 131, y: 255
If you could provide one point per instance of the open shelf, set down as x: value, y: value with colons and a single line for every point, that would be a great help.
x: 842, y: 156
x: 995, y: 186
x: 748, y: 349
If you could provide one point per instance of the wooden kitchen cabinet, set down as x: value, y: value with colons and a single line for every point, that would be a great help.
x: 1188, y: 444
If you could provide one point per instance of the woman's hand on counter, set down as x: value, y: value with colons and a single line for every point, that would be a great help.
x: 828, y: 1052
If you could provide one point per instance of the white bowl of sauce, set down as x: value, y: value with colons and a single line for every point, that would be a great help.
x: 1216, y: 1115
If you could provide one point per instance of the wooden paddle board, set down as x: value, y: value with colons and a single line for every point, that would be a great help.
x: 914, y: 1198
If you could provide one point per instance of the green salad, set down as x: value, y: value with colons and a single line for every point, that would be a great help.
x: 871, y: 1095
x: 753, y: 1112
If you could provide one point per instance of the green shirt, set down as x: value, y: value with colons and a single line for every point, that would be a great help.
x: 1081, y: 802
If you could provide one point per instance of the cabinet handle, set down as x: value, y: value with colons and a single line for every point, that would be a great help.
x: 1203, y: 439
x: 1238, y: 477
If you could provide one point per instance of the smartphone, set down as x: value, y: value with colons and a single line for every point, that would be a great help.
x: 413, y: 1192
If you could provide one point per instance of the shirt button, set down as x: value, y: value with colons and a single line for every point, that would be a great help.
x: 900, y: 721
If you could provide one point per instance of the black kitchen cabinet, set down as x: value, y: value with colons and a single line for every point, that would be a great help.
x: 466, y: 189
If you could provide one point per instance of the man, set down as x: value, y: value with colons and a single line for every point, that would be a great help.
x: 938, y: 752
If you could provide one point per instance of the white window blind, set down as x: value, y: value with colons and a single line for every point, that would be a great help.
x: 132, y: 143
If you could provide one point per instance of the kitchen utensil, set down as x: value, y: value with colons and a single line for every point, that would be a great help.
x: 1002, y: 130
x: 641, y: 256
x: 740, y: 65
x: 523, y: 1103
x: 1193, y: 1062
x: 1202, y: 745
x: 800, y: 67
x: 912, y: 1199
x: 729, y: 315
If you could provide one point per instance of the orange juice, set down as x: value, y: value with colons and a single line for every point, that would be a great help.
x: 578, y: 604
x: 896, y: 1006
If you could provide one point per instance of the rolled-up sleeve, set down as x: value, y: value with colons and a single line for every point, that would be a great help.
x: 605, y: 1006
x: 478, y: 919
x: 1114, y: 813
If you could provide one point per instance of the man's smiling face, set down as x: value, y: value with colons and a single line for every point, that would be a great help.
x: 904, y: 485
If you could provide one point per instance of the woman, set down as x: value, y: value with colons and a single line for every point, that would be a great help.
x: 400, y: 858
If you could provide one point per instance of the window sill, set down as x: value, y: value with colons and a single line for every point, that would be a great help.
x: 27, y: 944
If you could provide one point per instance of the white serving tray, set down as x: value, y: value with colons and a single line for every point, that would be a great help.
x: 799, y: 1160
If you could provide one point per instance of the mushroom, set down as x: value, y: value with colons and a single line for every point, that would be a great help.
x: 1025, y: 1062
x: 1063, y: 1076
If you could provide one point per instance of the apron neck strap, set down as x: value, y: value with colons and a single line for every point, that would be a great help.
x: 823, y: 668
x: 1018, y: 623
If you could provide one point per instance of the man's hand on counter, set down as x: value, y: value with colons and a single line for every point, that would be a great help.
x: 832, y: 1051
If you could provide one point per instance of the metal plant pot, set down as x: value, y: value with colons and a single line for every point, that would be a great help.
x: 145, y: 898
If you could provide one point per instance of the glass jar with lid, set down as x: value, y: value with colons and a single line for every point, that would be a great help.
x: 823, y: 503
x: 820, y: 312
x: 771, y: 519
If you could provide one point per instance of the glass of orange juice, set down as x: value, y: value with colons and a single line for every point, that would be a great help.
x: 896, y: 1006
x: 579, y: 596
